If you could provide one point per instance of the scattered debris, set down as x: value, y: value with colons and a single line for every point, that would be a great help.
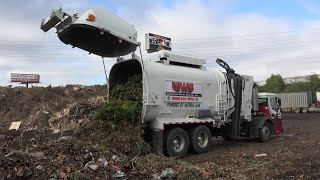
x: 67, y: 169
x: 119, y: 172
x: 23, y: 171
x: 260, y: 155
x: 93, y: 166
x: 39, y: 155
x: 62, y: 175
x: 168, y: 174
x: 15, y: 125
x: 40, y: 167
x: 103, y: 162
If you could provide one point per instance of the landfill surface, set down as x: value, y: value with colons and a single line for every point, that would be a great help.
x: 58, y: 139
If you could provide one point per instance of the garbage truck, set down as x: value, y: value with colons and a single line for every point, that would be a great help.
x: 184, y: 104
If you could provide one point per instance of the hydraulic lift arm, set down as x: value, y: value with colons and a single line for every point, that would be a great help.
x: 57, y: 17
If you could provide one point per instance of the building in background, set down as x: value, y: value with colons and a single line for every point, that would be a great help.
x: 289, y: 80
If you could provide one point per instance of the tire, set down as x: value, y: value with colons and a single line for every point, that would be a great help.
x: 176, y: 142
x: 296, y: 110
x: 264, y: 133
x: 200, y: 139
x: 304, y: 110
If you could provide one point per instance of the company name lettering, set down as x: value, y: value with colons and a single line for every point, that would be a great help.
x: 182, y: 87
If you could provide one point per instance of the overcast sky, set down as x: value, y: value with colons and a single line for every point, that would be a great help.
x: 280, y: 37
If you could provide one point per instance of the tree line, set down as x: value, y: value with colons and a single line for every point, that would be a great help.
x: 276, y: 84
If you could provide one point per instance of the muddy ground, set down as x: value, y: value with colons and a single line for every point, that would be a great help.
x: 293, y: 154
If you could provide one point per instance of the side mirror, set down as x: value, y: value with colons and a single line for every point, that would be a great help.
x: 279, y: 101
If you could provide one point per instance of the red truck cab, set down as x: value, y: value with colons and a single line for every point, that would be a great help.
x: 269, y: 105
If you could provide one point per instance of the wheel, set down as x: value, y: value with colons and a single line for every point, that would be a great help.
x: 177, y: 142
x: 265, y: 133
x: 200, y: 139
x: 297, y: 110
x: 304, y: 110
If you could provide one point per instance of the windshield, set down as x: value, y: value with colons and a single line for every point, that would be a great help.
x: 263, y: 101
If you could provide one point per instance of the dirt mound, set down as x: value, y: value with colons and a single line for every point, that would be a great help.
x: 49, y: 107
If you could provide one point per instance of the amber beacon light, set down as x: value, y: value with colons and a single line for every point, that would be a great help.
x: 91, y: 17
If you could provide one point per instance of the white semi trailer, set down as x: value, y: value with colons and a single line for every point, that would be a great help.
x: 184, y: 104
x: 296, y: 101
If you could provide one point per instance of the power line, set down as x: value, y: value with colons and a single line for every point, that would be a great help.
x: 293, y: 31
x: 209, y: 63
x: 203, y: 50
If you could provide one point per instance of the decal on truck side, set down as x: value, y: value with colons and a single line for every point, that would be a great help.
x: 179, y: 92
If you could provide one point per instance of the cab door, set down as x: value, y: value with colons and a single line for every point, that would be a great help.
x: 276, y: 117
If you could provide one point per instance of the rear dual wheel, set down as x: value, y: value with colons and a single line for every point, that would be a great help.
x: 200, y: 139
x: 178, y: 142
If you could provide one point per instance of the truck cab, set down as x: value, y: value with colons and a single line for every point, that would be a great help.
x: 269, y: 106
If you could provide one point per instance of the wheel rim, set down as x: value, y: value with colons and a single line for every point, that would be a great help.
x: 265, y: 132
x: 202, y: 139
x: 178, y: 143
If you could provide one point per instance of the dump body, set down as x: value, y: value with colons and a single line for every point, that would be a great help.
x: 97, y: 31
x: 294, y: 101
x: 200, y: 91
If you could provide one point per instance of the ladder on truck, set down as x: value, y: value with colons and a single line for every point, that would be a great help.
x: 223, y: 102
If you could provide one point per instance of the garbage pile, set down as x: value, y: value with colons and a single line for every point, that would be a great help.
x: 107, y: 142
x: 94, y: 152
x: 49, y: 107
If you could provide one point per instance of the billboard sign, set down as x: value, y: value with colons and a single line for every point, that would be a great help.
x: 155, y: 43
x: 25, y: 78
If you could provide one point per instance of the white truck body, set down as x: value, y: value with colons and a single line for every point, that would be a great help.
x: 162, y: 105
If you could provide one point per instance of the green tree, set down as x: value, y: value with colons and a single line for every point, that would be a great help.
x: 314, y: 83
x: 261, y: 89
x: 298, y: 87
x: 274, y: 84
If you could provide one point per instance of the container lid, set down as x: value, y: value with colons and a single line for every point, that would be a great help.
x: 100, y: 32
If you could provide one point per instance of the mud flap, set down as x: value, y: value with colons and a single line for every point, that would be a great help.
x: 157, y: 141
x: 253, y: 131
